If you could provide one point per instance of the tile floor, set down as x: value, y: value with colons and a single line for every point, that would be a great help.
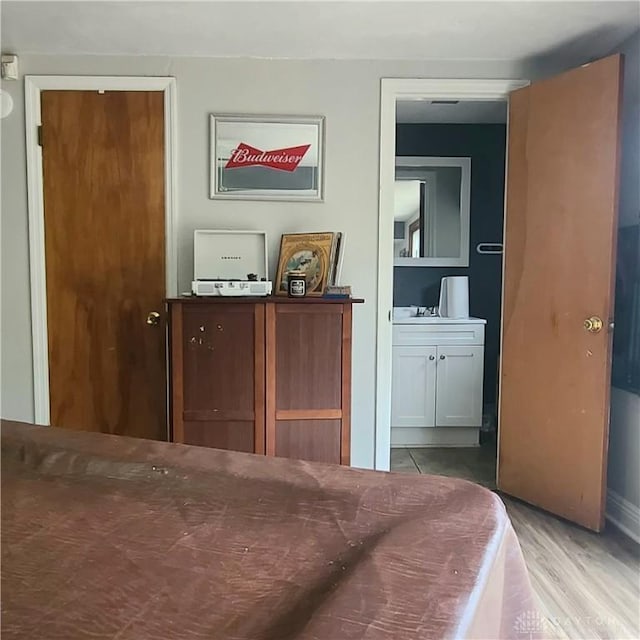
x: 473, y: 463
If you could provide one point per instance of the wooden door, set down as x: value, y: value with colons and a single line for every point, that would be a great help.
x: 103, y: 165
x: 459, y: 386
x: 561, y: 218
x: 413, y: 387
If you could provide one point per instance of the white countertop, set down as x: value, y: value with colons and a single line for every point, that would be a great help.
x: 406, y: 315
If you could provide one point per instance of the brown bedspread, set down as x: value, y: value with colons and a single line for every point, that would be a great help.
x: 106, y: 537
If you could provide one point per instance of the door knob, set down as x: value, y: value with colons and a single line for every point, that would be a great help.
x: 153, y: 317
x: 593, y: 324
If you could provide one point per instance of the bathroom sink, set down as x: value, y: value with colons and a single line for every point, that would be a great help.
x: 437, y: 320
x: 409, y: 315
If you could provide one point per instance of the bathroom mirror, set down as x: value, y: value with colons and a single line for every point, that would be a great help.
x: 431, y: 212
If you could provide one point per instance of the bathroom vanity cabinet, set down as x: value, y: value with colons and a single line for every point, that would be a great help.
x: 437, y: 381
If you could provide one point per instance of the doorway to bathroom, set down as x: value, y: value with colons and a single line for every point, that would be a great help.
x: 448, y: 215
x: 558, y: 269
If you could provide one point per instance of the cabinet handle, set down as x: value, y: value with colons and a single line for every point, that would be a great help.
x: 441, y: 357
x: 432, y: 357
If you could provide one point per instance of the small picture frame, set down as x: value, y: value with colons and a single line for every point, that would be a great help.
x: 267, y: 157
x: 312, y: 253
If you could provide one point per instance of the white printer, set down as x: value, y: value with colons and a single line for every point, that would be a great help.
x: 230, y: 263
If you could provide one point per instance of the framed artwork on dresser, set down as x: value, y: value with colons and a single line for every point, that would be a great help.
x: 312, y: 253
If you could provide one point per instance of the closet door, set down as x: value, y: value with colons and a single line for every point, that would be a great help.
x: 104, y: 228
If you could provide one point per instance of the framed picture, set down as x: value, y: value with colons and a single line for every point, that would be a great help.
x: 267, y: 157
x: 313, y: 253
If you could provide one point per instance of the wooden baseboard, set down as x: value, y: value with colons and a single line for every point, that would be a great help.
x: 624, y: 515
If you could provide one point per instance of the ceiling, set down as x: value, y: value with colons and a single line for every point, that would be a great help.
x: 419, y: 30
x: 415, y: 111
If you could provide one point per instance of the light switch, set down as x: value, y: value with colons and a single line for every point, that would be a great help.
x: 9, y: 66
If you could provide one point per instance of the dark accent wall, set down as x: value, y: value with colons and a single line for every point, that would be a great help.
x: 485, y: 144
x: 625, y: 373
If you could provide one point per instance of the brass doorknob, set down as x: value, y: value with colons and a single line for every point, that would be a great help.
x: 593, y: 324
x: 153, y: 317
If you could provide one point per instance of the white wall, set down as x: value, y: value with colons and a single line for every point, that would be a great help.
x: 346, y: 92
x: 624, y: 445
x: 623, y: 490
x: 624, y: 442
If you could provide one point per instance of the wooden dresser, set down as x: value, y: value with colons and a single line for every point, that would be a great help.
x: 262, y: 375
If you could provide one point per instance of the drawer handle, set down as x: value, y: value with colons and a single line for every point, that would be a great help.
x: 432, y: 357
x: 441, y: 357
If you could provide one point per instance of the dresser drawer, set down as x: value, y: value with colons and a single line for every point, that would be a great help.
x: 437, y: 334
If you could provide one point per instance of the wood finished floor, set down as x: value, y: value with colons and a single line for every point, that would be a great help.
x: 587, y: 584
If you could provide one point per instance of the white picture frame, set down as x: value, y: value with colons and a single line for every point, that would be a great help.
x: 267, y: 157
x: 420, y: 164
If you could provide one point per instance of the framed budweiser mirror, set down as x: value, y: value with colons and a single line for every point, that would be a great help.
x: 267, y: 157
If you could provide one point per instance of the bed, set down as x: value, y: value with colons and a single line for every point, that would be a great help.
x: 107, y: 537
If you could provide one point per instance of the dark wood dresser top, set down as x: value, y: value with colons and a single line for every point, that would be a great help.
x: 256, y: 299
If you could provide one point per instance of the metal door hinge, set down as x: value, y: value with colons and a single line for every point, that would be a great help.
x: 39, y: 135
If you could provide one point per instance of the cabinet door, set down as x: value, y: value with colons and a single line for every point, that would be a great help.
x: 308, y: 374
x: 221, y: 396
x: 413, y: 390
x: 459, y: 386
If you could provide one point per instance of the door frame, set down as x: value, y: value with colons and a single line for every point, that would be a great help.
x: 392, y: 90
x: 33, y: 86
